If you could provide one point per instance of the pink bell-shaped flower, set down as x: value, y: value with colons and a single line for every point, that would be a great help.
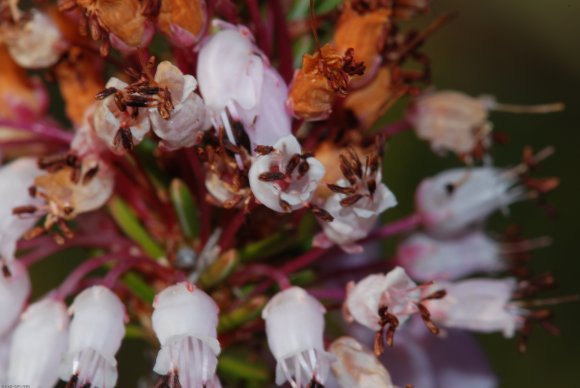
x: 481, y: 305
x: 96, y: 331
x: 285, y: 179
x: 14, y: 290
x: 455, y: 199
x: 15, y: 180
x: 185, y: 320
x: 39, y: 343
x: 295, y: 328
x: 188, y: 116
x: 426, y: 258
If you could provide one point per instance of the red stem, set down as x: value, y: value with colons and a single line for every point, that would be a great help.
x: 39, y: 128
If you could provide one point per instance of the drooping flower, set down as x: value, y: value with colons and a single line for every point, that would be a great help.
x: 385, y: 302
x: 182, y: 21
x: 481, y: 305
x: 34, y: 41
x: 294, y: 328
x: 358, y: 200
x: 451, y: 121
x: 455, y: 199
x: 14, y: 290
x: 284, y: 179
x: 357, y: 366
x: 95, y: 335
x: 116, y: 124
x: 15, y: 180
x: 187, y: 118
x: 185, y: 320
x: 39, y: 343
x: 426, y: 258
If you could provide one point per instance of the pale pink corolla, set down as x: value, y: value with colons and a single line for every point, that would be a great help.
x: 481, y: 305
x: 456, y: 199
x: 187, y: 118
x: 95, y: 334
x: 294, y: 329
x: 85, y: 140
x: 14, y: 290
x: 354, y: 222
x: 394, y: 290
x: 291, y: 190
x: 451, y: 121
x: 15, y: 180
x: 185, y: 320
x: 5, y: 344
x: 426, y: 258
x: 108, y: 120
x: 39, y: 343
x: 36, y: 43
x: 357, y: 366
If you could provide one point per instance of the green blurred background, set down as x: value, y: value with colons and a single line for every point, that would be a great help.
x: 521, y: 51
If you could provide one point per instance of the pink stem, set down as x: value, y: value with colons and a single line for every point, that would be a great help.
x: 39, y: 128
x: 328, y: 293
x: 305, y: 260
x: 205, y: 209
x: 232, y: 229
x: 266, y: 270
x: 283, y: 41
x: 400, y: 226
x: 261, y: 35
x: 392, y: 129
x: 121, y: 268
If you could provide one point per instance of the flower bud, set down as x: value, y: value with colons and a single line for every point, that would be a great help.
x: 14, y: 290
x: 284, y: 179
x: 357, y: 366
x: 119, y: 129
x: 451, y: 121
x: 481, y: 305
x: 455, y: 199
x: 95, y: 335
x: 39, y: 343
x: 426, y: 258
x: 188, y: 116
x: 35, y: 43
x: 185, y: 320
x: 15, y: 180
x: 295, y: 328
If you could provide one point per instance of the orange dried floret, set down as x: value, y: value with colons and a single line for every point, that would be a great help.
x: 189, y: 15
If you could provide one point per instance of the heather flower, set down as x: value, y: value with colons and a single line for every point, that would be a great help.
x: 95, y: 335
x: 384, y: 302
x: 357, y: 366
x: 451, y: 121
x: 14, y: 290
x: 426, y: 258
x: 481, y: 305
x: 187, y: 118
x: 36, y: 42
x: 294, y: 328
x: 39, y: 342
x: 185, y: 320
x: 119, y: 128
x: 285, y: 179
x: 455, y: 199
x: 15, y: 180
x: 5, y: 344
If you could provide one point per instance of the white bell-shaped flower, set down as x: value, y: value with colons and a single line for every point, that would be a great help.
x: 15, y: 180
x: 36, y: 43
x: 14, y: 290
x: 96, y: 331
x: 187, y: 118
x: 455, y: 199
x: 426, y: 258
x: 116, y: 127
x: 295, y: 328
x: 5, y: 345
x: 481, y: 305
x: 451, y: 121
x: 357, y: 366
x: 39, y: 342
x: 185, y: 320
x: 285, y: 179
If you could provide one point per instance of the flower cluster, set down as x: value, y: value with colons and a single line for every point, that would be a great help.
x: 223, y: 200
